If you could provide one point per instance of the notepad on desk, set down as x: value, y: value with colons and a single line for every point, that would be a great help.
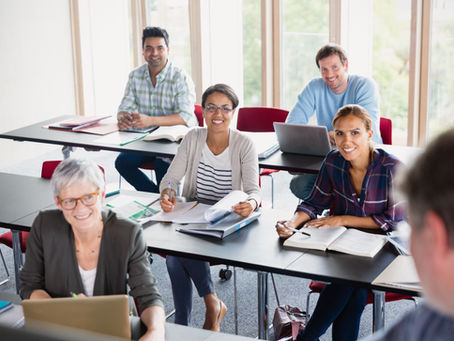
x: 400, y: 273
x: 171, y: 133
x: 338, y: 238
x: 86, y: 124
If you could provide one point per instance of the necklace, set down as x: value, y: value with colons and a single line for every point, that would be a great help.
x: 93, y: 250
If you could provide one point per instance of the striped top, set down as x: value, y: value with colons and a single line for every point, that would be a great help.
x: 333, y: 189
x: 214, y: 176
x: 173, y: 94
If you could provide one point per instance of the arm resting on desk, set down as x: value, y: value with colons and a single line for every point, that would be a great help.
x: 154, y: 318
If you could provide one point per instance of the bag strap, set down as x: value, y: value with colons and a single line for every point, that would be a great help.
x: 275, y: 290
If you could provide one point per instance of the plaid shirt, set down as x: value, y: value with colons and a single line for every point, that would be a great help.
x: 174, y: 93
x: 333, y: 188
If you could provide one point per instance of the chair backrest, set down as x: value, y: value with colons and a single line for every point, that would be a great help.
x: 386, y: 130
x: 259, y: 119
x: 48, y: 168
x: 198, y: 114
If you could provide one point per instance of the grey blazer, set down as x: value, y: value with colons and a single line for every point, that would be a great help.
x: 243, y: 156
x: 51, y: 262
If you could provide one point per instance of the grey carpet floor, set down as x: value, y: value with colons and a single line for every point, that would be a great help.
x: 291, y: 290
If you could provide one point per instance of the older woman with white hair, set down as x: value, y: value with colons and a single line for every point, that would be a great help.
x: 81, y: 248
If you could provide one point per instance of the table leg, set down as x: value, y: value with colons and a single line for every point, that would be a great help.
x: 17, y: 254
x: 378, y: 310
x: 66, y: 150
x: 235, y: 301
x: 262, y: 291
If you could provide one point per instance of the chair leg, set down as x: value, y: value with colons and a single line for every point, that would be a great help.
x: 308, y: 300
x: 6, y: 269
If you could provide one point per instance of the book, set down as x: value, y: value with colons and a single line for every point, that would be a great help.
x: 133, y: 208
x: 198, y: 213
x: 140, y: 130
x: 265, y: 143
x: 78, y: 124
x: 5, y: 305
x: 171, y: 133
x: 338, y: 238
x: 400, y: 273
x: 222, y: 228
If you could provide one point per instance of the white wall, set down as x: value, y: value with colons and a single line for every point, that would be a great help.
x: 36, y: 73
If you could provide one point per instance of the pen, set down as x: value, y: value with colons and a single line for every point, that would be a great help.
x: 294, y: 230
x: 73, y: 294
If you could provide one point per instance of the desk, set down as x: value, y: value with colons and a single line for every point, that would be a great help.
x: 281, y: 161
x: 254, y: 247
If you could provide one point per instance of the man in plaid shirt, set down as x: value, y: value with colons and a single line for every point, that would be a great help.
x: 158, y: 93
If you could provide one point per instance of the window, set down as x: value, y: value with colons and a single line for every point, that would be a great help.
x: 441, y: 87
x: 305, y: 28
x: 390, y: 60
x: 252, y: 59
x: 173, y: 16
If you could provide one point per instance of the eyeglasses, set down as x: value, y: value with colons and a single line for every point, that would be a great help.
x: 87, y: 200
x: 212, y: 109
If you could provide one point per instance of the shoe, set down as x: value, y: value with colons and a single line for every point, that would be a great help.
x: 222, y: 312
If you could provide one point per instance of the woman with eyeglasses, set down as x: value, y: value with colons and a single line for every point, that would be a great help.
x: 214, y: 161
x: 356, y: 182
x: 83, y: 249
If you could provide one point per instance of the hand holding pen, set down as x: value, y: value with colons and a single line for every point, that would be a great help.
x: 168, y: 199
x: 285, y: 230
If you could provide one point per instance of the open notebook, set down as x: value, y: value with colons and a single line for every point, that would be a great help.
x: 338, y: 238
x: 101, y: 314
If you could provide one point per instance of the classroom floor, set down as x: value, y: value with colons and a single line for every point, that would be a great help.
x: 246, y: 280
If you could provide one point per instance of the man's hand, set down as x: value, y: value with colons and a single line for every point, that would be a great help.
x: 141, y: 120
x: 124, y: 120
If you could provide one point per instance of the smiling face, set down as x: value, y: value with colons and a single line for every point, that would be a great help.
x: 155, y: 52
x: 82, y: 217
x: 334, y: 73
x: 352, y: 138
x: 218, y: 112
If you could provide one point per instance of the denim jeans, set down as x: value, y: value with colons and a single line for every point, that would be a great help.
x: 341, y: 305
x: 128, y: 164
x: 301, y: 185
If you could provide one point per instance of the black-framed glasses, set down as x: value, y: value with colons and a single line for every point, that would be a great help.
x: 87, y: 199
x: 213, y: 108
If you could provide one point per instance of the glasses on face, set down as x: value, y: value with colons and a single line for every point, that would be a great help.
x: 87, y: 200
x: 212, y: 109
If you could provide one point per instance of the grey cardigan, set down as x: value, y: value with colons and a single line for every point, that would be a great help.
x: 243, y: 157
x: 51, y: 262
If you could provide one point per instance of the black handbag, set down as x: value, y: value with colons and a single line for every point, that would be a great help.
x: 288, y: 320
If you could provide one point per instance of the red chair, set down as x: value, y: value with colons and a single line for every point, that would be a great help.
x: 198, y: 114
x: 260, y: 119
x: 386, y: 130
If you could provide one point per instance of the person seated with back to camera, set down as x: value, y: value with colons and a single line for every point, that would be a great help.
x: 84, y: 249
x: 214, y: 161
x: 356, y: 182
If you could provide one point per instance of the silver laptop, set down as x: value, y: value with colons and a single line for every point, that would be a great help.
x: 101, y: 314
x: 302, y: 138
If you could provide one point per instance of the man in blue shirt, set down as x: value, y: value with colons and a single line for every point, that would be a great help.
x: 429, y: 189
x: 158, y: 93
x: 324, y: 96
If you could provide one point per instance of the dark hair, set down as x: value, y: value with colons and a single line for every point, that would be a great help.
x: 428, y: 184
x: 154, y: 31
x: 355, y: 110
x: 329, y: 50
x: 223, y: 89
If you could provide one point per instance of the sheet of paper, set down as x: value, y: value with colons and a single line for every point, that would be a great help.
x: 119, y: 138
x: 179, y: 211
x: 401, y: 271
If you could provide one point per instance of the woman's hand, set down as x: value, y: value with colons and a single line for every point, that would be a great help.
x: 325, y: 222
x: 167, y: 203
x: 282, y: 230
x: 156, y: 335
x: 244, y: 208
